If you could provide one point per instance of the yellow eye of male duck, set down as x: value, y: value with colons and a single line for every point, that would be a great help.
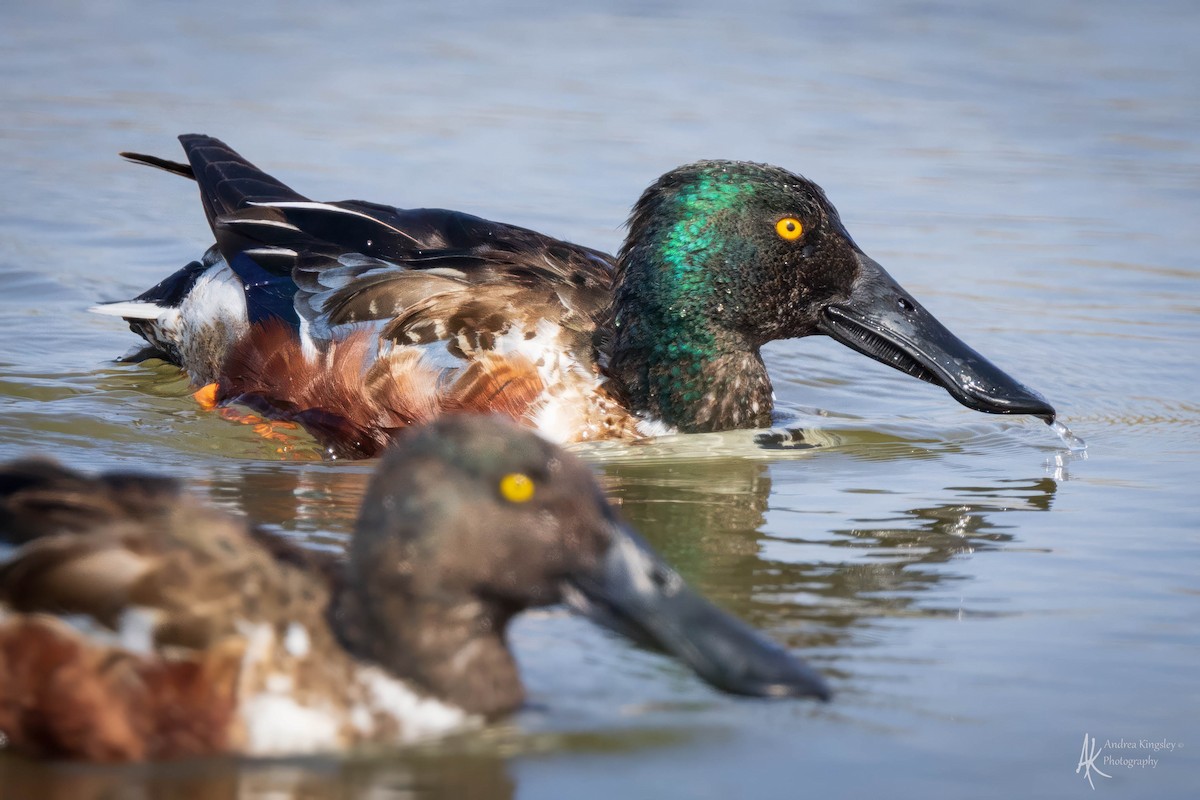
x: 516, y: 487
x: 789, y: 228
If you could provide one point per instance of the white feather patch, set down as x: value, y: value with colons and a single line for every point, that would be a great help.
x: 570, y: 386
x: 271, y: 251
x: 276, y: 725
x: 296, y: 640
x: 128, y: 309
x: 419, y: 717
x: 654, y: 427
x: 134, y: 631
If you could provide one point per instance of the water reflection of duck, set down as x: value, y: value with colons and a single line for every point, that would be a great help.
x: 357, y: 319
x: 435, y: 773
x: 138, y: 623
x: 823, y: 584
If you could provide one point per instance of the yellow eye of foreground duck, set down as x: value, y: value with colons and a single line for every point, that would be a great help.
x: 516, y: 487
x: 789, y: 228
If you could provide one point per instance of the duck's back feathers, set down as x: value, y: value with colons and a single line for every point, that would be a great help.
x: 38, y: 496
x: 250, y: 210
x: 134, y: 605
x: 164, y: 552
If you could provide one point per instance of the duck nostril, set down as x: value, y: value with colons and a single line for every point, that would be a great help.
x: 905, y: 304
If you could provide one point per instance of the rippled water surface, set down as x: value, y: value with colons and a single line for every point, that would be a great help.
x: 980, y: 597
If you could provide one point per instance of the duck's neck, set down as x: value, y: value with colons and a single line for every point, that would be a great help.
x: 676, y: 350
x: 691, y: 386
x: 454, y: 651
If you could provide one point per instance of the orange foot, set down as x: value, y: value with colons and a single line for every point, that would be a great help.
x: 272, y: 430
x: 206, y: 396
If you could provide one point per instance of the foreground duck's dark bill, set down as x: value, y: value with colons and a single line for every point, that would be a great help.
x: 637, y: 595
x: 881, y: 320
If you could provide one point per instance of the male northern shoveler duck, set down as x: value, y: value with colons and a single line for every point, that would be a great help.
x: 357, y: 319
x: 138, y: 623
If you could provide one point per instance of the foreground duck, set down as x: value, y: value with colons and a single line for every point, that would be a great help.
x: 357, y: 319
x: 138, y: 623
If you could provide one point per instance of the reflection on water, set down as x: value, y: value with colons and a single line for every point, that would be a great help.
x: 708, y: 518
x: 463, y: 775
x: 317, y: 502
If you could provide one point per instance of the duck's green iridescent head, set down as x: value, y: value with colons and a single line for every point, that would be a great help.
x: 733, y: 248
x: 725, y: 256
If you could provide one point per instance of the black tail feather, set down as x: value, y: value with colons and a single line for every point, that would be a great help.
x: 173, y: 167
x: 228, y: 182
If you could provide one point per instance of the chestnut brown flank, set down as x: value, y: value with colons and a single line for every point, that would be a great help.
x: 353, y: 402
x: 62, y: 696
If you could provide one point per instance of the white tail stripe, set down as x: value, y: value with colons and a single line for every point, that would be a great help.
x: 271, y: 251
x: 129, y: 309
x: 313, y: 206
x: 265, y: 223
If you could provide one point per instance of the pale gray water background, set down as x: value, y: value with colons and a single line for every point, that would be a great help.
x: 979, y: 597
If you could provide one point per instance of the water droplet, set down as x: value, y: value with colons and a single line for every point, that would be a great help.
x: 1073, y: 442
